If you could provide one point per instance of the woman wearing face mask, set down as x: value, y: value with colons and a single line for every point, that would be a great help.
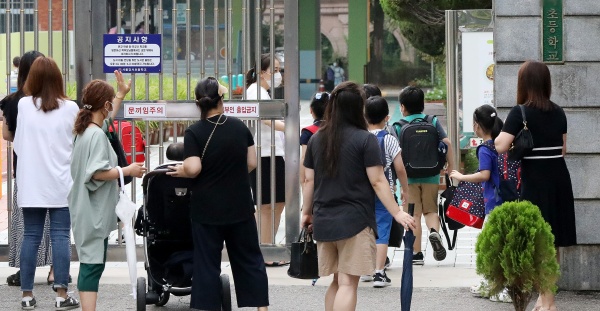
x: 258, y: 87
x: 94, y: 193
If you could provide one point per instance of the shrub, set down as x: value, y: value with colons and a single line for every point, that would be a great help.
x: 516, y: 250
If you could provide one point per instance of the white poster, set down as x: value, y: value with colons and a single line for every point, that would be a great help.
x: 477, y: 74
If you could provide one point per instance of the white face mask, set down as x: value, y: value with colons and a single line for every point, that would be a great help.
x: 277, y: 77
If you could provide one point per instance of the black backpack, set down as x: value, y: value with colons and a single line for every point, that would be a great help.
x: 423, y: 152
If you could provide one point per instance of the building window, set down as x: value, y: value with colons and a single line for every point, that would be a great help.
x: 15, y: 15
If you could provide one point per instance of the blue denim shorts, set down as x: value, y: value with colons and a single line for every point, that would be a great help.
x: 384, y: 223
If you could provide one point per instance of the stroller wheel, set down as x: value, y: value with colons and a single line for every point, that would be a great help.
x: 163, y: 298
x: 141, y: 294
x: 226, y: 293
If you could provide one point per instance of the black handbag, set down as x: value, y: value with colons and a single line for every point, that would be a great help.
x: 119, y: 151
x: 304, y: 262
x: 447, y: 223
x: 523, y: 142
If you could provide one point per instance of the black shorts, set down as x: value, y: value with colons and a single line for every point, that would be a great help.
x: 266, y: 180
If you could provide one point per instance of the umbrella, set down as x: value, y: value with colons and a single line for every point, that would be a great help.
x: 406, y: 286
x: 125, y: 210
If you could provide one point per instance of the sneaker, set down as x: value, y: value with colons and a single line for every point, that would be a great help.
x: 481, y: 290
x: 14, y: 279
x: 381, y: 280
x: 387, y: 263
x: 502, y: 296
x: 366, y: 278
x: 439, y: 252
x: 28, y: 303
x: 418, y: 259
x: 66, y: 304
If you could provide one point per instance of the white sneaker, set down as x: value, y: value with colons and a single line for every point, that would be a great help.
x: 366, y: 278
x: 501, y: 297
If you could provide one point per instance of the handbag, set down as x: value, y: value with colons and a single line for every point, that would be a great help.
x: 510, y: 179
x: 467, y: 206
x: 304, y: 262
x: 447, y: 223
x: 523, y: 142
x: 119, y: 151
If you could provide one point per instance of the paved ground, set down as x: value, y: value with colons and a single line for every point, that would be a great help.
x: 436, y: 288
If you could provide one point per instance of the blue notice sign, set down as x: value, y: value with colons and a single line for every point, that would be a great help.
x: 132, y: 53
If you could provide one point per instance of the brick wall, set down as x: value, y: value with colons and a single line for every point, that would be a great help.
x: 57, y: 12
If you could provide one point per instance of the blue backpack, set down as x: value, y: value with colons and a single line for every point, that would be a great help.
x: 509, y: 170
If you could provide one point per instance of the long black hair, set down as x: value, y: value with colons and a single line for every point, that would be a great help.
x: 345, y: 108
x: 252, y: 74
x: 24, y: 66
x: 487, y: 118
x: 207, y: 95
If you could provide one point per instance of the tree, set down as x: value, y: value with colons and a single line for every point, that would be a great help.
x: 376, y: 63
x: 422, y: 21
x: 515, y: 250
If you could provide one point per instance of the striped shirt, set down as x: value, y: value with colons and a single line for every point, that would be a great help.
x: 392, y: 149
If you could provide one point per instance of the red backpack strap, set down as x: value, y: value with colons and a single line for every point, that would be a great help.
x: 312, y: 128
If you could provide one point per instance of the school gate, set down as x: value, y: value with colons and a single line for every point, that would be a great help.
x: 185, y: 42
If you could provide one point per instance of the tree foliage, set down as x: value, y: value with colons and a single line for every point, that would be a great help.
x: 422, y: 21
x: 516, y: 250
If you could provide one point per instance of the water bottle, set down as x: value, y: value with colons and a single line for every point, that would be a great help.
x: 13, y: 83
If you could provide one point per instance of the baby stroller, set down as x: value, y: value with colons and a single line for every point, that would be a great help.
x: 164, y: 222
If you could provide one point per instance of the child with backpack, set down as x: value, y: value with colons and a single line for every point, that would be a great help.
x: 486, y: 125
x: 377, y: 115
x: 317, y: 110
x: 425, y: 150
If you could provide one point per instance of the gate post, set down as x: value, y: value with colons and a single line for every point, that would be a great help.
x: 292, y: 122
x: 90, y: 20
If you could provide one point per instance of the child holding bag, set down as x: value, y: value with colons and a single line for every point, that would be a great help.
x: 486, y: 125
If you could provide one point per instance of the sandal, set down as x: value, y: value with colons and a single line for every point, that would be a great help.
x: 14, y: 279
x: 276, y: 263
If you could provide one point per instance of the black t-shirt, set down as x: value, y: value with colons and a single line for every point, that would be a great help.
x: 547, y: 127
x: 10, y: 108
x: 305, y: 134
x: 221, y: 192
x: 345, y: 204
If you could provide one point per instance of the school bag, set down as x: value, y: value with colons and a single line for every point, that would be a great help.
x: 509, y: 170
x: 313, y: 128
x: 447, y: 223
x: 423, y: 152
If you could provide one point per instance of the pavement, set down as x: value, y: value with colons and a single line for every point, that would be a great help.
x: 440, y: 285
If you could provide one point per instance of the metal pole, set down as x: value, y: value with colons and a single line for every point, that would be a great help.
x: 175, y: 49
x: 161, y: 147
x: 244, y: 42
x: 132, y: 92
x: 451, y: 77
x: 36, y: 30
x: 258, y: 122
x: 273, y: 156
x: 292, y: 122
x: 9, y: 153
x: 216, y: 38
x: 188, y: 41
x: 202, y: 42
x: 65, y: 43
x: 50, y: 45
x: 22, y: 27
x: 147, y: 81
x: 229, y: 51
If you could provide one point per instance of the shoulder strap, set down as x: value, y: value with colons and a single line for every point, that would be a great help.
x: 523, y: 114
x: 487, y: 145
x: 447, y: 235
x: 312, y: 128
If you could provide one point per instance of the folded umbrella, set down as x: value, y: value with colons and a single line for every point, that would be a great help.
x: 406, y: 285
x: 125, y: 210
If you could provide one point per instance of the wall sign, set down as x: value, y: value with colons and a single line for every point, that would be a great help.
x: 132, y: 53
x: 552, y: 31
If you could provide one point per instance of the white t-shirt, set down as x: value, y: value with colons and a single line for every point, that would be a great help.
x: 392, y: 149
x: 43, y: 143
x: 265, y: 130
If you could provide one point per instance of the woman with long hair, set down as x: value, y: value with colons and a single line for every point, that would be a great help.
x: 259, y: 87
x: 9, y: 106
x: 43, y: 143
x: 219, y: 152
x: 545, y: 178
x: 94, y: 194
x: 343, y: 173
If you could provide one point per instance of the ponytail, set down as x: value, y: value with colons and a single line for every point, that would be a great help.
x: 498, y: 124
x: 250, y: 77
x: 84, y: 118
